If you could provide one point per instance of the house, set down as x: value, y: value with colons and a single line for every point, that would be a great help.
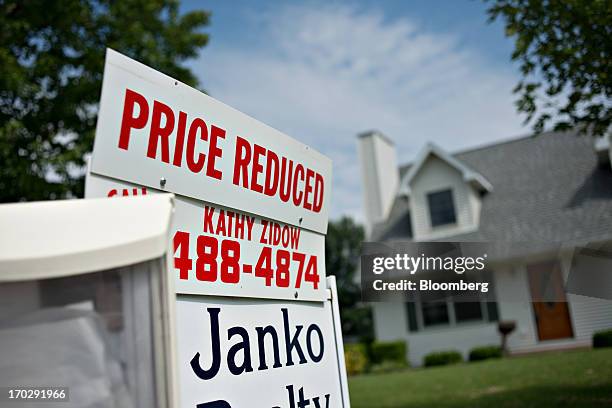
x: 551, y: 192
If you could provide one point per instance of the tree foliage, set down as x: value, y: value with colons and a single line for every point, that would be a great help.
x: 52, y: 58
x: 342, y: 250
x: 564, y: 48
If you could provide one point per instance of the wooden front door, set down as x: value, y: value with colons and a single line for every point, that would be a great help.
x: 549, y: 301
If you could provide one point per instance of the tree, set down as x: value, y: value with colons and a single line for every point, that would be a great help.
x: 52, y: 58
x: 564, y: 48
x: 342, y: 250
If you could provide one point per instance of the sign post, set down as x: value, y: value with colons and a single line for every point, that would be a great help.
x: 257, y: 321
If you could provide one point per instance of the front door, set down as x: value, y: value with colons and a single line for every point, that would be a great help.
x: 549, y: 301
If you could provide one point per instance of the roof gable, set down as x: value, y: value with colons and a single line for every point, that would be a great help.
x: 470, y: 176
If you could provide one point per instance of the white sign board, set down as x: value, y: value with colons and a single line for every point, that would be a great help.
x: 258, y: 353
x: 221, y: 251
x: 157, y: 132
x: 257, y: 321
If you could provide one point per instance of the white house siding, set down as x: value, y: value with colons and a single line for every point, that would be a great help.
x: 589, y: 315
x: 436, y: 175
x: 462, y: 338
x: 390, y: 321
x: 514, y: 303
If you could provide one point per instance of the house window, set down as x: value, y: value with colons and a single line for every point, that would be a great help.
x: 423, y: 313
x: 411, y: 310
x: 492, y: 311
x: 468, y: 311
x: 441, y: 208
x: 435, y: 313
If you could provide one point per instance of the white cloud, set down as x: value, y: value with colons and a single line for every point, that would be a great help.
x: 324, y: 73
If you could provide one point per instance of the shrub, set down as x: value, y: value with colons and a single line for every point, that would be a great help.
x: 440, y: 358
x: 484, y: 353
x: 602, y: 338
x: 388, y: 351
x: 355, y: 358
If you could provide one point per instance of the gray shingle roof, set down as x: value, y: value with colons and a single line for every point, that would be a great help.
x: 547, y: 188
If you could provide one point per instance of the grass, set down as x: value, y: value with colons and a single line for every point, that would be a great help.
x: 563, y: 379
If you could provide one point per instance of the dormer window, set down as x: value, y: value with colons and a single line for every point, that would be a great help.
x: 441, y: 208
x: 444, y: 195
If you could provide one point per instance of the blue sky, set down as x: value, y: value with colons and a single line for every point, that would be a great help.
x: 323, y: 71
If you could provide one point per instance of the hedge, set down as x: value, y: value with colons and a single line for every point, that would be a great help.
x: 484, y: 353
x: 388, y: 351
x: 602, y: 338
x: 355, y: 358
x: 440, y: 358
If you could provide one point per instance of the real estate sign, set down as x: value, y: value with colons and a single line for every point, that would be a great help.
x: 257, y: 320
x: 155, y: 131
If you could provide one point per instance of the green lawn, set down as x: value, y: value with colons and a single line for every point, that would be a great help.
x: 564, y: 379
